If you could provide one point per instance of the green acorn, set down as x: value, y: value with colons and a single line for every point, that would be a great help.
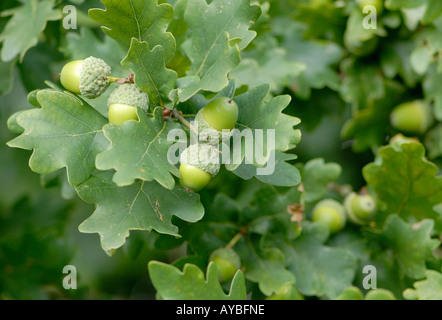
x: 199, y: 163
x: 220, y: 114
x: 89, y: 77
x: 227, y: 262
x: 360, y: 209
x: 412, y: 117
x: 123, y: 103
x: 330, y: 213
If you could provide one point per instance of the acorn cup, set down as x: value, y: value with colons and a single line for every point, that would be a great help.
x: 199, y: 163
x: 123, y: 103
x: 89, y: 77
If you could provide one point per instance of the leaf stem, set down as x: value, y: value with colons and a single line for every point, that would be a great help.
x: 236, y: 238
x: 177, y: 115
x: 128, y: 79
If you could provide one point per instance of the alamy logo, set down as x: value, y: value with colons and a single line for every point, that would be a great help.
x: 370, y: 280
x: 70, y: 20
x: 70, y: 280
x: 370, y: 20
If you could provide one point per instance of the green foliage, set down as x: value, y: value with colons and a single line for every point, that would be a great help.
x: 172, y: 284
x: 23, y: 28
x: 307, y: 73
x: 428, y: 289
x: 406, y: 182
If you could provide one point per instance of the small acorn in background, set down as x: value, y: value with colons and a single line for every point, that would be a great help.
x: 360, y: 209
x: 330, y: 213
x: 412, y: 117
x: 89, y: 77
x: 123, y: 103
x: 227, y: 262
x: 218, y: 115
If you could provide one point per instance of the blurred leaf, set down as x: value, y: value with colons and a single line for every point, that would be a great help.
x: 412, y: 245
x: 396, y: 60
x: 265, y: 266
x: 431, y: 85
x: 319, y: 67
x: 267, y: 63
x: 37, y: 66
x: 34, y: 248
x: 369, y: 127
x: 85, y: 44
x: 316, y: 175
x: 362, y: 83
x: 328, y: 18
x: 433, y: 142
x: 319, y: 270
x: 406, y: 182
x: 23, y: 28
x: 433, y: 7
x: 430, y: 288
x: 6, y: 81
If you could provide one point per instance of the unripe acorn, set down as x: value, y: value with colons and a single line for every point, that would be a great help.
x: 199, y: 163
x: 412, y: 117
x: 331, y: 213
x: 227, y: 262
x: 360, y: 208
x: 89, y: 77
x: 123, y: 103
x: 220, y: 114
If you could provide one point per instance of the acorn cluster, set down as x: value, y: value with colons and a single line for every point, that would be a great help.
x: 359, y: 209
x: 91, y: 77
x: 214, y: 124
